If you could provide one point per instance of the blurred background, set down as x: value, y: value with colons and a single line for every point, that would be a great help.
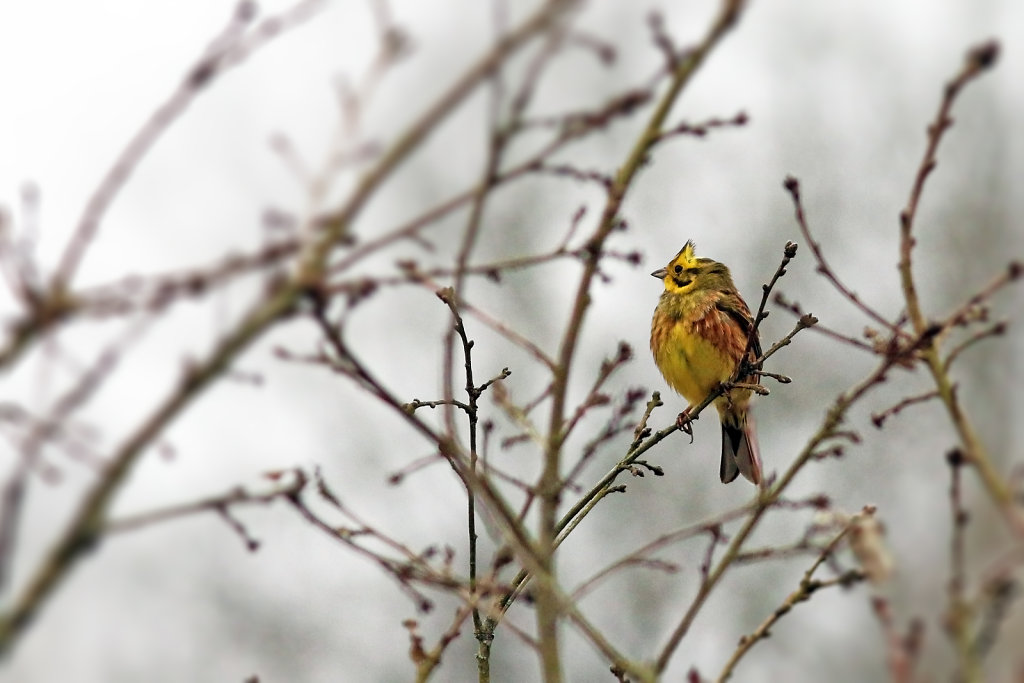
x: 838, y: 94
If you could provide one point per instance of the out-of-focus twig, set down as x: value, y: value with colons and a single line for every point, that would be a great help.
x: 978, y: 60
x: 808, y: 586
x: 903, y: 652
x: 879, y: 418
x: 82, y: 531
x: 292, y: 483
x: 229, y: 48
x: 959, y: 616
x: 833, y: 418
x: 792, y: 186
x: 13, y: 493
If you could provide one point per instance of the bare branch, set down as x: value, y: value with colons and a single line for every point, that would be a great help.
x: 808, y: 586
x: 792, y: 186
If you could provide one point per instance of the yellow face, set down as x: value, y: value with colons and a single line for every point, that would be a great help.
x: 686, y: 272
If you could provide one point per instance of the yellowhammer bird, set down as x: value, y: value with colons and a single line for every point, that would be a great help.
x: 698, y: 337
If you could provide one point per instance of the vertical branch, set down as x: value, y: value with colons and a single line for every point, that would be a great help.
x: 469, y: 239
x: 473, y: 393
x: 960, y: 615
x: 978, y: 60
x: 498, y: 139
x: 549, y: 487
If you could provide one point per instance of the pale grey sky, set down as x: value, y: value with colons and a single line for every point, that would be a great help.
x: 838, y: 93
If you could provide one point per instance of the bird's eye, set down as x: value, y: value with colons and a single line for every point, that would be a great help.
x: 679, y: 269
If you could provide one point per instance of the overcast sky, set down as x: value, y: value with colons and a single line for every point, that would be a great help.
x: 838, y: 93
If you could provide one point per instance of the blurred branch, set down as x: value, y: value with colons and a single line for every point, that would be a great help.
x: 408, y: 569
x: 229, y: 48
x: 795, y: 309
x: 904, y: 652
x: 495, y: 324
x: 593, y: 122
x: 978, y: 60
x: 792, y: 186
x: 287, y: 484
x: 879, y: 418
x: 427, y: 661
x: 642, y: 442
x: 996, y: 329
x: 997, y: 595
x: 808, y: 586
x: 641, y: 556
x: 594, y: 397
x: 83, y: 529
x: 959, y: 616
x: 701, y: 129
x: 834, y: 416
x: 155, y: 293
x: 336, y: 224
x: 12, y: 497
x: 549, y: 485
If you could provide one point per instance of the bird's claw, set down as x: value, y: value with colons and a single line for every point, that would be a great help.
x: 685, y: 423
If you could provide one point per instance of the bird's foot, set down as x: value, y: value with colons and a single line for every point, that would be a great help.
x: 685, y: 423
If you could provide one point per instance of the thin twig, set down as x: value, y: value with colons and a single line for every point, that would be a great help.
x: 795, y: 309
x: 978, y: 60
x: 788, y: 253
x: 792, y: 186
x: 808, y: 586
x: 295, y: 481
x: 879, y: 418
x: 803, y: 323
x: 549, y: 484
x: 82, y: 530
x: 229, y: 48
x: 903, y: 652
x: 832, y: 419
x: 959, y: 616
x: 996, y: 329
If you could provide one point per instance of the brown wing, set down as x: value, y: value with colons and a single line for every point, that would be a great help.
x: 738, y: 312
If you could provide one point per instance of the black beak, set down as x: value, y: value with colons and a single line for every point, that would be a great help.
x: 660, y: 273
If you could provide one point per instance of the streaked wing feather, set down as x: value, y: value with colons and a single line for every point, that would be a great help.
x: 735, y: 308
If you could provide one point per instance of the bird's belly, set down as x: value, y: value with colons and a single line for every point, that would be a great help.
x: 692, y: 366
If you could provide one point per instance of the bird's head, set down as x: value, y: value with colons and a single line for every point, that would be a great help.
x: 685, y: 272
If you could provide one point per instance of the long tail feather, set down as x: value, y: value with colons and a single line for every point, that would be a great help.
x: 739, y: 448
